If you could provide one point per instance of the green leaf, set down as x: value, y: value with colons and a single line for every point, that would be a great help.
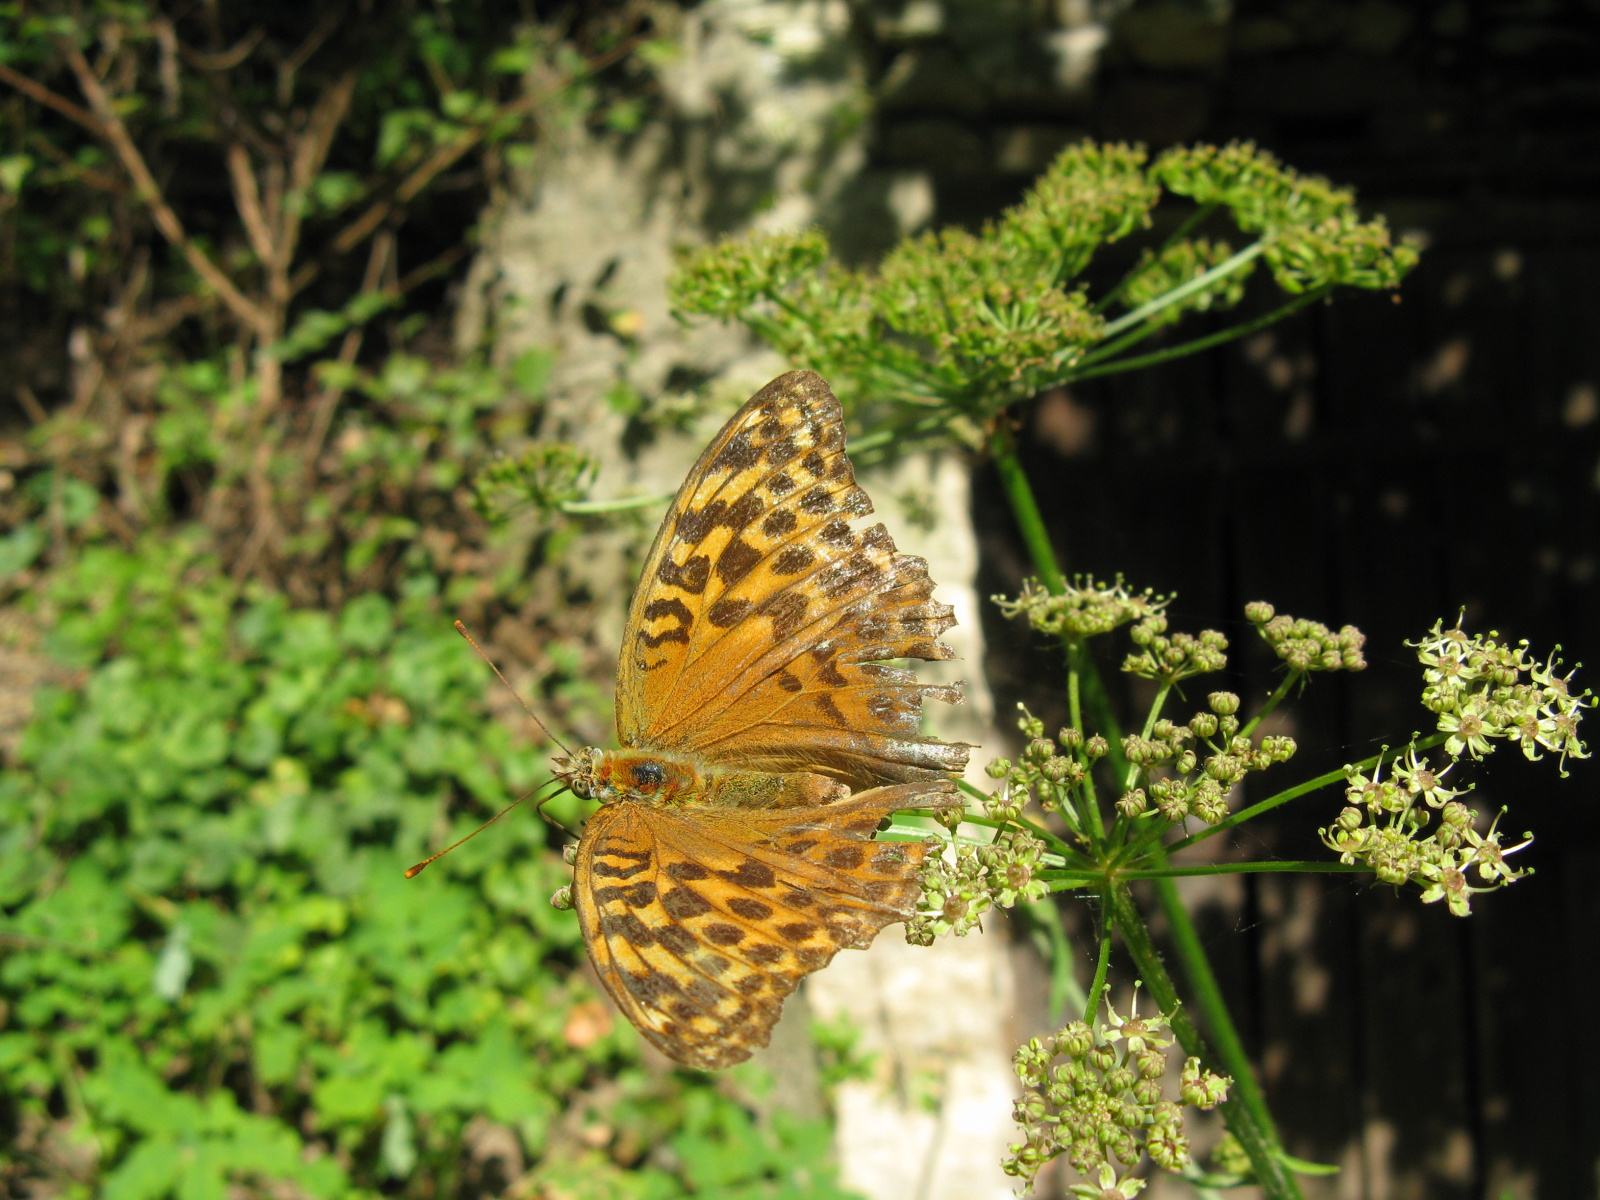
x: 19, y: 548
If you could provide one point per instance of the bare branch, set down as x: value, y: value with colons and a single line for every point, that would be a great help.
x: 247, y: 199
x: 322, y: 408
x: 115, y: 132
x: 288, y: 68
x: 36, y: 90
x: 225, y: 60
x: 310, y: 154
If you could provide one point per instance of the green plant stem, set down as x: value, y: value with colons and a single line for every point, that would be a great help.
x: 1019, y: 494
x: 1063, y: 848
x: 1273, y: 701
x: 1177, y: 235
x: 1245, y: 1109
x: 1089, y: 801
x: 1102, y: 964
x: 622, y: 504
x: 1216, y: 339
x: 1065, y: 990
x: 1184, y: 290
x: 1263, y: 867
x: 1294, y: 793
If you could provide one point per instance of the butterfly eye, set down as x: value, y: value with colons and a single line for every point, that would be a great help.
x: 648, y: 774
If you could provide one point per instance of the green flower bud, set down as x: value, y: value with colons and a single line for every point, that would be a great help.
x: 1223, y: 703
x: 1258, y: 612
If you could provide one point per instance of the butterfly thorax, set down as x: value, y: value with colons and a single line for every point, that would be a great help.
x: 608, y: 775
x: 668, y: 780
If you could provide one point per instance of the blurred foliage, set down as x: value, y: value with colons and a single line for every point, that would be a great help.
x: 228, y: 235
x: 216, y: 975
x: 956, y: 326
x: 242, y: 494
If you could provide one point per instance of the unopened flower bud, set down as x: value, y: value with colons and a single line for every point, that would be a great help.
x: 1075, y: 1040
x: 1223, y: 703
x: 562, y: 898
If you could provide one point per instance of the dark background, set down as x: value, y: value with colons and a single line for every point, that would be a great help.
x: 1367, y: 462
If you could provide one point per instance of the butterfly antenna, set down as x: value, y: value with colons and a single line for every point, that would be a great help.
x: 413, y: 872
x: 462, y: 630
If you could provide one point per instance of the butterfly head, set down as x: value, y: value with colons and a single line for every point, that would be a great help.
x: 607, y: 775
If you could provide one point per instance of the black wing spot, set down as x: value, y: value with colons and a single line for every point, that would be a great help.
x: 723, y: 935
x: 830, y: 710
x: 744, y: 510
x: 831, y: 676
x: 779, y: 523
x: 817, y: 501
x: 627, y: 927
x: 680, y: 902
x: 652, y: 986
x: 740, y: 454
x: 788, y: 682
x: 607, y: 870
x: 751, y: 873
x: 727, y: 612
x: 736, y: 560
x: 691, y: 577
x: 792, y: 561
x: 845, y: 858
x: 836, y: 533
x: 677, y: 939
x: 888, y: 855
x: 787, y: 611
x: 687, y: 871
x: 639, y: 895
x: 750, y: 910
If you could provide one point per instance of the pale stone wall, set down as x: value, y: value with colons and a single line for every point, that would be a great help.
x: 577, y: 260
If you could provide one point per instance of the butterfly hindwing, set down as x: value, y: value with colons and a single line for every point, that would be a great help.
x: 701, y: 922
x: 758, y: 628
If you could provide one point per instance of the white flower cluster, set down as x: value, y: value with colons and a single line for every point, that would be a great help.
x: 962, y: 881
x: 1095, y: 1096
x: 1476, y: 686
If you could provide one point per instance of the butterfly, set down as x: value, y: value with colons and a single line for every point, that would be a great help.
x: 764, y: 738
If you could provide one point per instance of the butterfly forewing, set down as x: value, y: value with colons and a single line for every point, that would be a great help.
x: 759, y: 606
x: 700, y: 922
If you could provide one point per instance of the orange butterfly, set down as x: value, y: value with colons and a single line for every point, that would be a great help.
x: 730, y: 858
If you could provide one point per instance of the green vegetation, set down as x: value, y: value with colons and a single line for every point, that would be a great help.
x: 941, y: 343
x: 257, y: 486
x: 250, y: 501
